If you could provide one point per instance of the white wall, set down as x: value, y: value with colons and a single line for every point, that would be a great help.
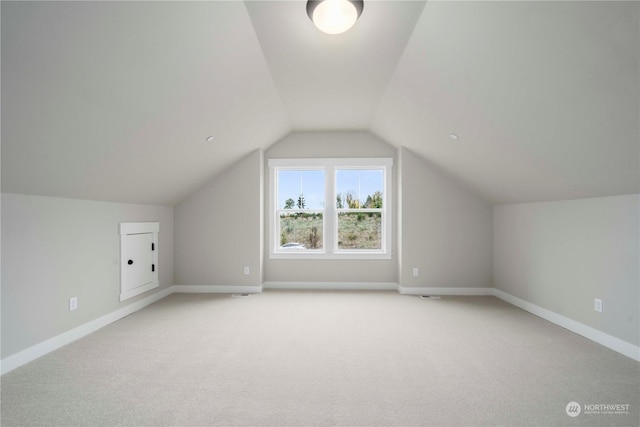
x: 562, y: 255
x: 446, y: 229
x: 440, y: 227
x: 219, y: 229
x: 54, y: 249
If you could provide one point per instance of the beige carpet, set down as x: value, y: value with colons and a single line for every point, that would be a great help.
x: 297, y: 358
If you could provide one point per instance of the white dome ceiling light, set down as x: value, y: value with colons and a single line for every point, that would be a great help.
x: 334, y: 16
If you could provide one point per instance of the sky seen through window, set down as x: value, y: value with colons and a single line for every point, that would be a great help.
x: 359, y: 182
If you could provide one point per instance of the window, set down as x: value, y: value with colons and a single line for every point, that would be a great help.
x: 330, y: 208
x: 300, y: 211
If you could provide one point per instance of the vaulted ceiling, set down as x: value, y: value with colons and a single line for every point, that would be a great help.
x: 114, y: 100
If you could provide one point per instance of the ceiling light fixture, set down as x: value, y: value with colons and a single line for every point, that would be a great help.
x: 209, y: 139
x: 334, y: 16
x: 453, y: 136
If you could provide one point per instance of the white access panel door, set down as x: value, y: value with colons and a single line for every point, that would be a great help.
x: 140, y: 268
x: 139, y: 259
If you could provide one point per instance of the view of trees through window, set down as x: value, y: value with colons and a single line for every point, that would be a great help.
x: 358, y: 209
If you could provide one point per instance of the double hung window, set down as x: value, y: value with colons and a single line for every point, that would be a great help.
x: 330, y: 208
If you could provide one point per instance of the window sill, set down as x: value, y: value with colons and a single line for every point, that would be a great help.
x: 337, y: 255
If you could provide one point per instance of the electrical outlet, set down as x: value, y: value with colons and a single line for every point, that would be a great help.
x: 73, y: 303
x: 247, y: 271
x: 416, y: 272
x: 597, y: 305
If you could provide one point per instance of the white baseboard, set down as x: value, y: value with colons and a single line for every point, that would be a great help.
x: 212, y: 289
x: 616, y: 344
x: 410, y: 290
x: 139, y: 290
x: 333, y: 286
x: 25, y: 356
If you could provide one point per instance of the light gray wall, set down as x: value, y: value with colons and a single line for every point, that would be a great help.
x: 219, y: 228
x: 54, y: 249
x: 562, y: 255
x: 446, y: 229
x: 330, y: 145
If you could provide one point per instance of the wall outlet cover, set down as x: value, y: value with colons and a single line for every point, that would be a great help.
x: 597, y: 305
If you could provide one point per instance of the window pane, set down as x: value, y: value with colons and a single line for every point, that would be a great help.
x: 300, y: 231
x: 359, y: 188
x: 300, y: 189
x: 360, y: 230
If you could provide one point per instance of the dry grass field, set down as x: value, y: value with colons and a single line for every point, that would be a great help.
x: 356, y: 230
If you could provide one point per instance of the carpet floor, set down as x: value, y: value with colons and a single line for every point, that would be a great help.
x: 326, y: 358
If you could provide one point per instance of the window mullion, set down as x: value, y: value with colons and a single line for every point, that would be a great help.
x: 330, y: 219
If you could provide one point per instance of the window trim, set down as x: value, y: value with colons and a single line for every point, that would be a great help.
x: 330, y: 227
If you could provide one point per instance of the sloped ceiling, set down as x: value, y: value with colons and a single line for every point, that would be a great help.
x: 544, y: 97
x: 113, y: 100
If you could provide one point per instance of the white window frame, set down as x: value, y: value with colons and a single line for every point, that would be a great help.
x: 330, y: 227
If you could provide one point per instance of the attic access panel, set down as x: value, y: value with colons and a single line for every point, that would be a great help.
x: 138, y: 258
